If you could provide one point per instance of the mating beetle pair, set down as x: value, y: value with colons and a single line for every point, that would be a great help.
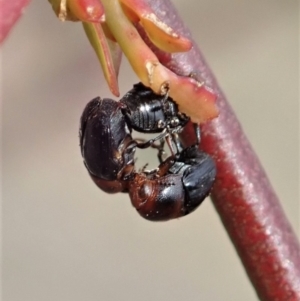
x: 177, y: 186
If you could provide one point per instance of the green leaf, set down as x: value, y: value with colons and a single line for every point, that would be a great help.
x: 109, y: 60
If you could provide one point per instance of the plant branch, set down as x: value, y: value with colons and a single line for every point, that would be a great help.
x: 242, y: 195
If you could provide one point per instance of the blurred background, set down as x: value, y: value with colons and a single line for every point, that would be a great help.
x: 63, y: 239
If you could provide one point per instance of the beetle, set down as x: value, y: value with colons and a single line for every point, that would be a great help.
x: 179, y: 184
x: 148, y: 112
x: 106, y: 142
x: 176, y: 188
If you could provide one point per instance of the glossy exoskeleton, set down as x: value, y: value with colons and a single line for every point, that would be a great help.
x: 180, y: 183
x: 105, y: 133
x: 148, y: 112
x: 176, y: 188
x: 106, y: 144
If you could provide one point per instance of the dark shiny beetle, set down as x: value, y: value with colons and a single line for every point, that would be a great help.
x: 105, y: 133
x: 106, y: 144
x: 148, y: 112
x: 176, y: 188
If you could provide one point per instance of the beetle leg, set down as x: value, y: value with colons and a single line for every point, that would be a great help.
x: 197, y: 132
x: 143, y: 169
x: 176, y: 141
x: 150, y: 142
x: 165, y: 166
x: 172, y: 144
x: 161, y: 151
x: 160, y: 147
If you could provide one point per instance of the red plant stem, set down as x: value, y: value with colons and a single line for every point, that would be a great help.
x: 242, y: 194
x: 11, y: 10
